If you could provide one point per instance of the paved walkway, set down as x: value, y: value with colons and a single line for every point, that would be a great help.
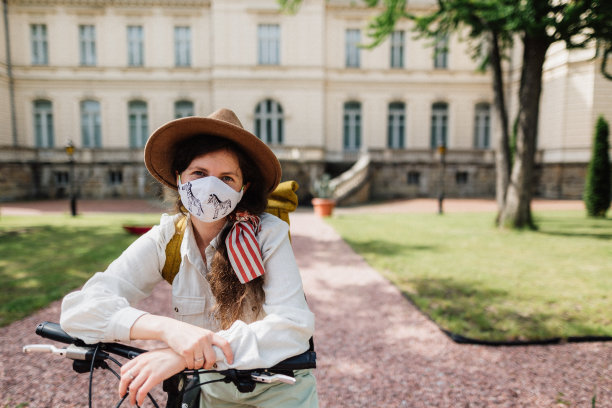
x: 375, y: 349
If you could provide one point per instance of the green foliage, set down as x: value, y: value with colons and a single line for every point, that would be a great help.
x: 484, y: 283
x: 322, y: 187
x: 597, y: 193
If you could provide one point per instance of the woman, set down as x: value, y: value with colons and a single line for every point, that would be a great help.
x: 230, y: 309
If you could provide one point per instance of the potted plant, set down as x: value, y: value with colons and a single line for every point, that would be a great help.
x: 323, y: 201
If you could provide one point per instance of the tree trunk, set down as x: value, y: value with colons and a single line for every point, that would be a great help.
x: 517, y: 209
x: 502, y: 154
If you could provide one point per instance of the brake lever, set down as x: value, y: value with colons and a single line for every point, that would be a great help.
x: 271, y: 378
x: 72, y: 352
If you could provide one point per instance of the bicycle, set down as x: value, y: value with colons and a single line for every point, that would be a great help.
x: 183, y: 388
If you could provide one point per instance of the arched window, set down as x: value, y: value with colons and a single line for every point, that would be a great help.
x: 352, y: 126
x: 91, y: 128
x: 269, y: 122
x: 138, y: 122
x: 43, y: 123
x: 182, y: 109
x: 439, y: 124
x: 482, y: 126
x: 396, y: 126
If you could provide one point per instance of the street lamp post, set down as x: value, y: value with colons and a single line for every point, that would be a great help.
x: 442, y: 153
x: 70, y: 152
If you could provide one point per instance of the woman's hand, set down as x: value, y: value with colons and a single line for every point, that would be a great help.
x: 193, y: 343
x: 140, y: 375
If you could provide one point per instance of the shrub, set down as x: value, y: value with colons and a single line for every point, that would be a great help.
x: 597, y: 190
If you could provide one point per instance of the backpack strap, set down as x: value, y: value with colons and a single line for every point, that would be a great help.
x: 281, y: 202
x: 173, y: 250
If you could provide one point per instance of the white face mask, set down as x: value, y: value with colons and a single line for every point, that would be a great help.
x: 208, y: 198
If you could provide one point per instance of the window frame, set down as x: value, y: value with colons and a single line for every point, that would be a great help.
x: 87, y: 45
x: 482, y: 125
x: 396, y: 125
x: 352, y: 49
x: 397, y: 41
x: 91, y: 124
x: 138, y: 123
x: 39, y: 44
x: 135, y: 45
x: 182, y: 46
x: 439, y: 124
x: 270, y: 122
x: 43, y: 123
x: 268, y: 44
x: 352, y: 126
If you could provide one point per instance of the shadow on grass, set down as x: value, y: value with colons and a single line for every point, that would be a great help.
x: 41, y: 264
x: 471, y: 314
x: 387, y: 248
x: 598, y: 228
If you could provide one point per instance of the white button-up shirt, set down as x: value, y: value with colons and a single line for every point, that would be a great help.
x: 102, y: 310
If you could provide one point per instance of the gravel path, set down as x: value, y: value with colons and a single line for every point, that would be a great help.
x: 374, y: 348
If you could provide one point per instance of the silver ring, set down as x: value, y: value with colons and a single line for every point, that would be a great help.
x: 129, y: 373
x: 199, y: 359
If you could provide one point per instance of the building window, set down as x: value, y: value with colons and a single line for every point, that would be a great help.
x: 439, y: 124
x: 352, y: 48
x: 115, y: 177
x: 182, y: 109
x: 269, y: 122
x: 87, y: 44
x: 43, y: 123
x: 182, y: 46
x: 397, y: 49
x: 40, y: 55
x: 135, y: 46
x: 268, y: 44
x: 138, y: 122
x: 461, y: 177
x: 396, y: 126
x: 441, y: 52
x: 482, y: 126
x: 352, y: 126
x: 91, y: 132
x: 62, y: 178
x: 414, y: 178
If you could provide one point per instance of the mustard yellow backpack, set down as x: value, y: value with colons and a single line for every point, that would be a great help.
x: 281, y: 202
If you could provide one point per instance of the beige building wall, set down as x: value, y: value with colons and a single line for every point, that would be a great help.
x: 311, y: 83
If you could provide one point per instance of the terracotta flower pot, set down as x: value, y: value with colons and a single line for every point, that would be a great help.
x: 323, y: 207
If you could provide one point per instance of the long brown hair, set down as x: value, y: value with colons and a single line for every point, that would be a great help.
x: 231, y: 296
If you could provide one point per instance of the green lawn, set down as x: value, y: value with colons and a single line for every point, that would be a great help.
x: 483, y: 283
x: 44, y: 257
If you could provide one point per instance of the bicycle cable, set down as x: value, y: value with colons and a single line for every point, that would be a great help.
x: 91, y: 371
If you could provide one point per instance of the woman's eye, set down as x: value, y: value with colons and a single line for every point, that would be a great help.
x: 227, y: 179
x: 199, y: 173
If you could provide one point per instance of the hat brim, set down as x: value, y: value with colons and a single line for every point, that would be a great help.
x: 161, y: 146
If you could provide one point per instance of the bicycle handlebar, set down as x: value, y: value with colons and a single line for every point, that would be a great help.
x: 86, y: 357
x: 53, y: 331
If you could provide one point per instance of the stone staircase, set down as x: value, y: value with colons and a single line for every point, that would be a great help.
x: 353, y: 186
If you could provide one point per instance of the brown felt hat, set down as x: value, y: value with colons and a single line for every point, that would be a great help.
x: 160, y: 148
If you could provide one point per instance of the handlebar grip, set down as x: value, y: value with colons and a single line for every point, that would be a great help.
x: 53, y: 331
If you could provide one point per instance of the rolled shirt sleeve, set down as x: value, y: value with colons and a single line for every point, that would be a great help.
x: 102, y: 310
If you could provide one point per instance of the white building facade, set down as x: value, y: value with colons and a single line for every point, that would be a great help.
x: 105, y: 74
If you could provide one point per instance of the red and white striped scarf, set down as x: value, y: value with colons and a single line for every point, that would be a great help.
x: 242, y: 248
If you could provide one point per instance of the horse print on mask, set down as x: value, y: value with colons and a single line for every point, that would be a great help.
x: 219, y: 205
x: 193, y: 203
